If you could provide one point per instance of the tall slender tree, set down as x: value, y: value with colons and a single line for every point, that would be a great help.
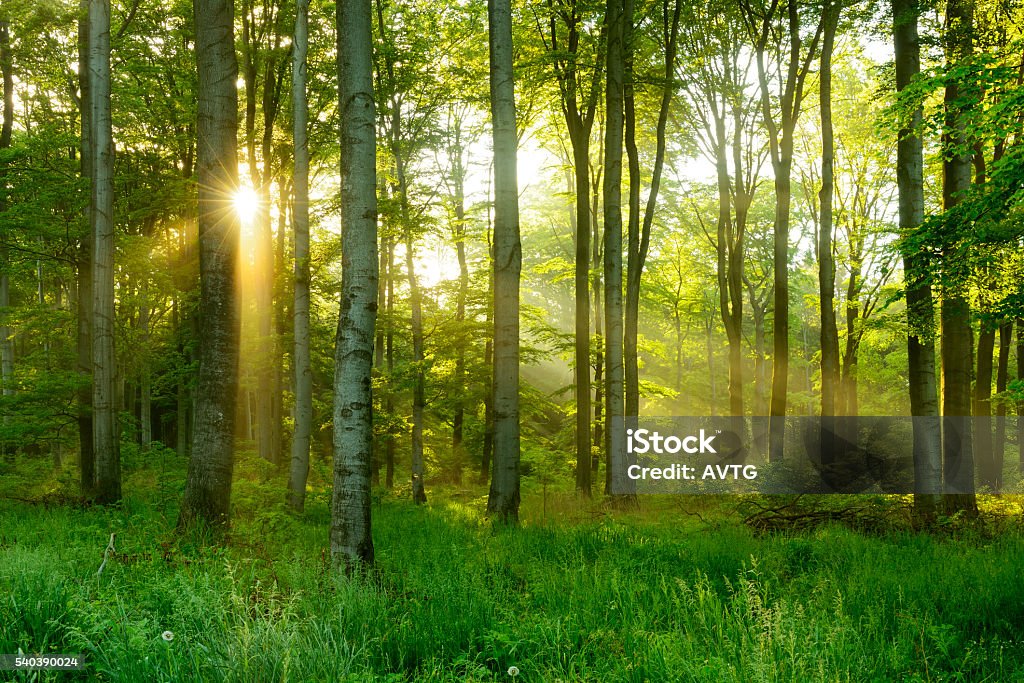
x: 419, y: 398
x: 207, y: 496
x: 300, y: 220
x: 955, y: 310
x: 615, y: 430
x: 639, y: 230
x: 924, y: 403
x: 105, y: 437
x: 86, y: 456
x: 351, y: 536
x: 503, y: 500
x: 826, y: 264
x: 6, y: 347
x: 579, y: 94
x: 794, y: 65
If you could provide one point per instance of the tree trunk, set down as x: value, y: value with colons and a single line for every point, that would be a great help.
x: 145, y: 379
x: 955, y: 311
x: 458, y: 419
x: 846, y: 400
x: 1020, y: 404
x: 615, y: 433
x: 84, y: 298
x: 389, y: 355
x: 780, y: 139
x: 982, y: 407
x: 105, y: 444
x: 6, y: 348
x: 639, y: 237
x: 419, y: 494
x: 581, y: 168
x: 826, y: 265
x: 299, y: 470
x: 351, y: 538
x: 924, y: 405
x: 207, y: 496
x: 1002, y: 380
x: 503, y: 501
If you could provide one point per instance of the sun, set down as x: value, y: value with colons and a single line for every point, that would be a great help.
x: 247, y: 204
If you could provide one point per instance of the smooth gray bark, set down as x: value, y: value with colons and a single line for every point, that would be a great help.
x: 419, y: 494
x: 615, y: 432
x: 503, y: 500
x: 351, y: 538
x: 299, y: 470
x: 105, y: 440
x: 579, y: 107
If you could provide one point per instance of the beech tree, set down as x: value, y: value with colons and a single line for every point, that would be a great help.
x: 503, y: 500
x: 579, y: 92
x: 924, y: 404
x: 955, y: 310
x: 351, y: 537
x: 104, y: 400
x: 615, y: 429
x: 299, y: 469
x: 792, y: 60
x: 207, y: 496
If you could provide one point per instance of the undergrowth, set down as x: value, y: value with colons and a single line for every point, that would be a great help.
x: 578, y: 593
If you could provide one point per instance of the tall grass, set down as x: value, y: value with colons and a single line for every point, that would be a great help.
x: 631, y: 598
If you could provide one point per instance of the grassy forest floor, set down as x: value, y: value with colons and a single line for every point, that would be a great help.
x: 680, y: 590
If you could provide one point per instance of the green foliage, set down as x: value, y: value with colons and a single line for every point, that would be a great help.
x: 647, y: 596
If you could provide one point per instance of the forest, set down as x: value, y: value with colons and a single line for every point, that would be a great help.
x: 336, y: 337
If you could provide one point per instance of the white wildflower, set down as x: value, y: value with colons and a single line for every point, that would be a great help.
x: 167, y: 636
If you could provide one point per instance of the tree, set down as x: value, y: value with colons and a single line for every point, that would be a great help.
x: 615, y: 430
x: 579, y: 105
x: 826, y: 264
x: 84, y: 298
x: 955, y: 311
x: 351, y: 537
x: 419, y: 400
x: 503, y: 500
x: 6, y: 348
x: 207, y: 496
x: 639, y: 230
x: 714, y: 75
x: 104, y: 401
x: 300, y: 220
x: 924, y: 405
x: 793, y: 69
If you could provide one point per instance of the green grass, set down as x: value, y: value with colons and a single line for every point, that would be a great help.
x: 576, y: 594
